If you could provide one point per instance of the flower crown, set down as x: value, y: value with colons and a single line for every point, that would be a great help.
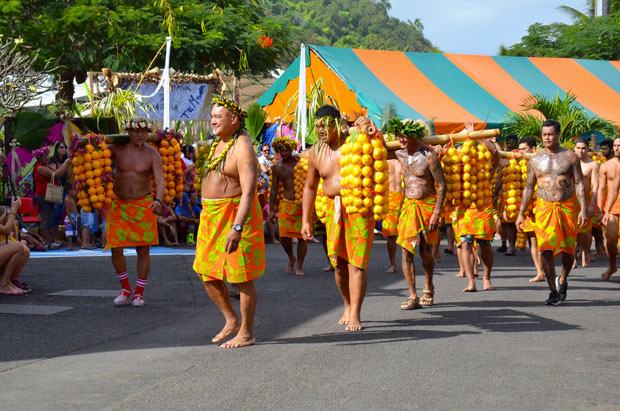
x: 283, y: 143
x: 138, y: 124
x: 230, y: 105
x: 408, y: 128
x: 41, y: 152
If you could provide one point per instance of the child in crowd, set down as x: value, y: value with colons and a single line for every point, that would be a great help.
x: 166, y: 224
x: 187, y: 219
x: 88, y: 223
x: 71, y: 219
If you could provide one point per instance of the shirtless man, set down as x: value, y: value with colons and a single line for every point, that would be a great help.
x: 606, y: 148
x: 527, y: 145
x: 389, y: 226
x: 420, y: 213
x: 230, y: 244
x: 289, y: 215
x: 557, y: 172
x: 132, y: 221
x: 609, y: 204
x: 349, y: 258
x: 590, y: 170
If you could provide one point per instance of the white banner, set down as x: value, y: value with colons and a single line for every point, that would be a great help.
x: 188, y: 101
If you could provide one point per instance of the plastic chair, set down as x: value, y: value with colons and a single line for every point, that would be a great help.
x: 29, y: 211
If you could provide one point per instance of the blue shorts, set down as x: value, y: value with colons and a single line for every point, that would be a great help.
x: 69, y: 229
x: 470, y: 239
x: 88, y: 219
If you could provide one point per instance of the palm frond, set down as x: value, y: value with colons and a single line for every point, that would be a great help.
x: 255, y: 121
x: 574, y: 14
x: 389, y: 112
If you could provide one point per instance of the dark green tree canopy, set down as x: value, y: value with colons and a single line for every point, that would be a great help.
x: 349, y: 23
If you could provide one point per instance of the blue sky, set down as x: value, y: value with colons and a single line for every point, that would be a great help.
x: 480, y: 26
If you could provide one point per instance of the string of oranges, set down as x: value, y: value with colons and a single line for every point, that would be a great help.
x: 92, y: 167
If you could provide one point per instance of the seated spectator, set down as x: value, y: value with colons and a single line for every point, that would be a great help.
x: 166, y: 225
x: 187, y: 221
x: 14, y: 254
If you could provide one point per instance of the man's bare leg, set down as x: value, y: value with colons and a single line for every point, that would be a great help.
x: 287, y: 244
x: 567, y: 264
x: 428, y: 263
x: 358, y: 280
x: 219, y: 295
x: 468, y: 258
x: 548, y: 266
x: 540, y: 275
x: 486, y: 255
x: 450, y: 238
x: 511, y: 235
x: 271, y: 229
x: 391, y: 247
x: 341, y: 274
x: 302, y: 249
x: 599, y: 241
x: 459, y: 256
x: 118, y: 260
x: 245, y: 336
x: 408, y: 266
x: 144, y: 261
x: 611, y: 243
x: 329, y: 266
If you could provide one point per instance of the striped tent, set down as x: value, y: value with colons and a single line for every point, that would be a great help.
x: 448, y: 88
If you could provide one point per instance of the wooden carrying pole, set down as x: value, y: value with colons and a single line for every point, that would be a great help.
x: 515, y: 155
x: 438, y: 139
x: 121, y: 139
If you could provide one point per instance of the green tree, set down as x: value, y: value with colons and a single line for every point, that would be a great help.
x: 349, y: 23
x: 577, y: 15
x: 82, y: 35
x: 595, y: 38
x: 574, y: 120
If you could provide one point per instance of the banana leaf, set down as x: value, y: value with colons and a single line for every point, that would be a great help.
x: 30, y: 128
x: 255, y: 121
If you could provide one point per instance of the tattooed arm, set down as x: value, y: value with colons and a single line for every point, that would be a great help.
x: 437, y: 172
x: 528, y: 191
x: 580, y: 189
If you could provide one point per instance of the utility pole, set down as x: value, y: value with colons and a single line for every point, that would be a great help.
x: 606, y: 7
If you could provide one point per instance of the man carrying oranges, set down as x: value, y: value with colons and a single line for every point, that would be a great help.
x: 131, y: 221
x: 420, y: 211
x: 289, y: 215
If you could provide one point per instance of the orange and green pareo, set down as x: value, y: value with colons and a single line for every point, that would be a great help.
x: 289, y: 219
x: 389, y: 225
x: 556, y: 225
x: 414, y: 221
x: 131, y: 223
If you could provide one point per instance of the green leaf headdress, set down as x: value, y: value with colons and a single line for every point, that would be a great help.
x: 283, y: 143
x: 408, y: 128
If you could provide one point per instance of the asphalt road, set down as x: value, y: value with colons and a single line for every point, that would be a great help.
x: 491, y: 350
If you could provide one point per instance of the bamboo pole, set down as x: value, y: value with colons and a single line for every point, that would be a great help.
x: 515, y: 155
x: 121, y: 139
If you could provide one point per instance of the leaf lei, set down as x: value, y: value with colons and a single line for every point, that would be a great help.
x: 407, y: 128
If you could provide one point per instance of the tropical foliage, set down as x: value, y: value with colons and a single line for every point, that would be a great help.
x: 83, y: 35
x: 362, y: 24
x: 588, y: 38
x: 573, y: 119
x: 255, y: 121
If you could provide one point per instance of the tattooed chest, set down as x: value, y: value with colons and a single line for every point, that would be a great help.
x: 554, y: 175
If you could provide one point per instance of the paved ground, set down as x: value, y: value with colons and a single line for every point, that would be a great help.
x: 485, y: 351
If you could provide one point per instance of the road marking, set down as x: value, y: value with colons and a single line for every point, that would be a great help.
x: 32, y: 309
x: 155, y: 251
x: 87, y: 293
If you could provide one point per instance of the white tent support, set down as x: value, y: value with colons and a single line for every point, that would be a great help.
x: 166, y: 78
x: 302, y: 124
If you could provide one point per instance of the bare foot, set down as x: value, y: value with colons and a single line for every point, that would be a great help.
x: 460, y: 275
x: 354, y: 326
x: 607, y: 274
x: 274, y: 241
x: 476, y: 274
x: 574, y: 264
x: 328, y: 269
x: 344, y: 320
x: 290, y: 266
x: 487, y: 286
x: 227, y: 331
x: 391, y: 270
x: 470, y: 289
x: 239, y: 341
x: 539, y: 278
x: 299, y: 272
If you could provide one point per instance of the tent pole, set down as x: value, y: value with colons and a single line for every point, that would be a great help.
x: 301, y: 107
x: 167, y: 86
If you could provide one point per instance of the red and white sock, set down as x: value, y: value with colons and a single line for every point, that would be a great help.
x: 124, y: 279
x: 140, y: 284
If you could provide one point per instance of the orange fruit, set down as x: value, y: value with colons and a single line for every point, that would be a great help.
x: 94, y: 198
x: 164, y: 143
x: 90, y: 182
x: 76, y: 161
x: 96, y: 155
x: 89, y: 148
x: 98, y: 181
x: 177, y: 156
x: 179, y: 194
x: 109, y: 185
x: 97, y: 172
x: 170, y: 184
x: 90, y: 174
x: 103, y: 145
x: 108, y: 200
x: 101, y: 197
x: 109, y: 193
x: 99, y: 190
x: 178, y: 165
x: 171, y: 192
x: 98, y: 205
x: 163, y: 151
x: 107, y: 169
x: 179, y: 188
x: 107, y: 162
x: 106, y: 153
x: 97, y: 164
x: 169, y: 159
x: 170, y: 151
x: 167, y: 199
x: 87, y: 209
x: 91, y: 191
x: 88, y: 166
x: 177, y: 148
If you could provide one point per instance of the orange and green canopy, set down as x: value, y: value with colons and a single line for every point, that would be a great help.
x: 447, y: 88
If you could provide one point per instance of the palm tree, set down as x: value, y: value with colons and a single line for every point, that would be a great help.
x: 590, y: 11
x: 574, y: 120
